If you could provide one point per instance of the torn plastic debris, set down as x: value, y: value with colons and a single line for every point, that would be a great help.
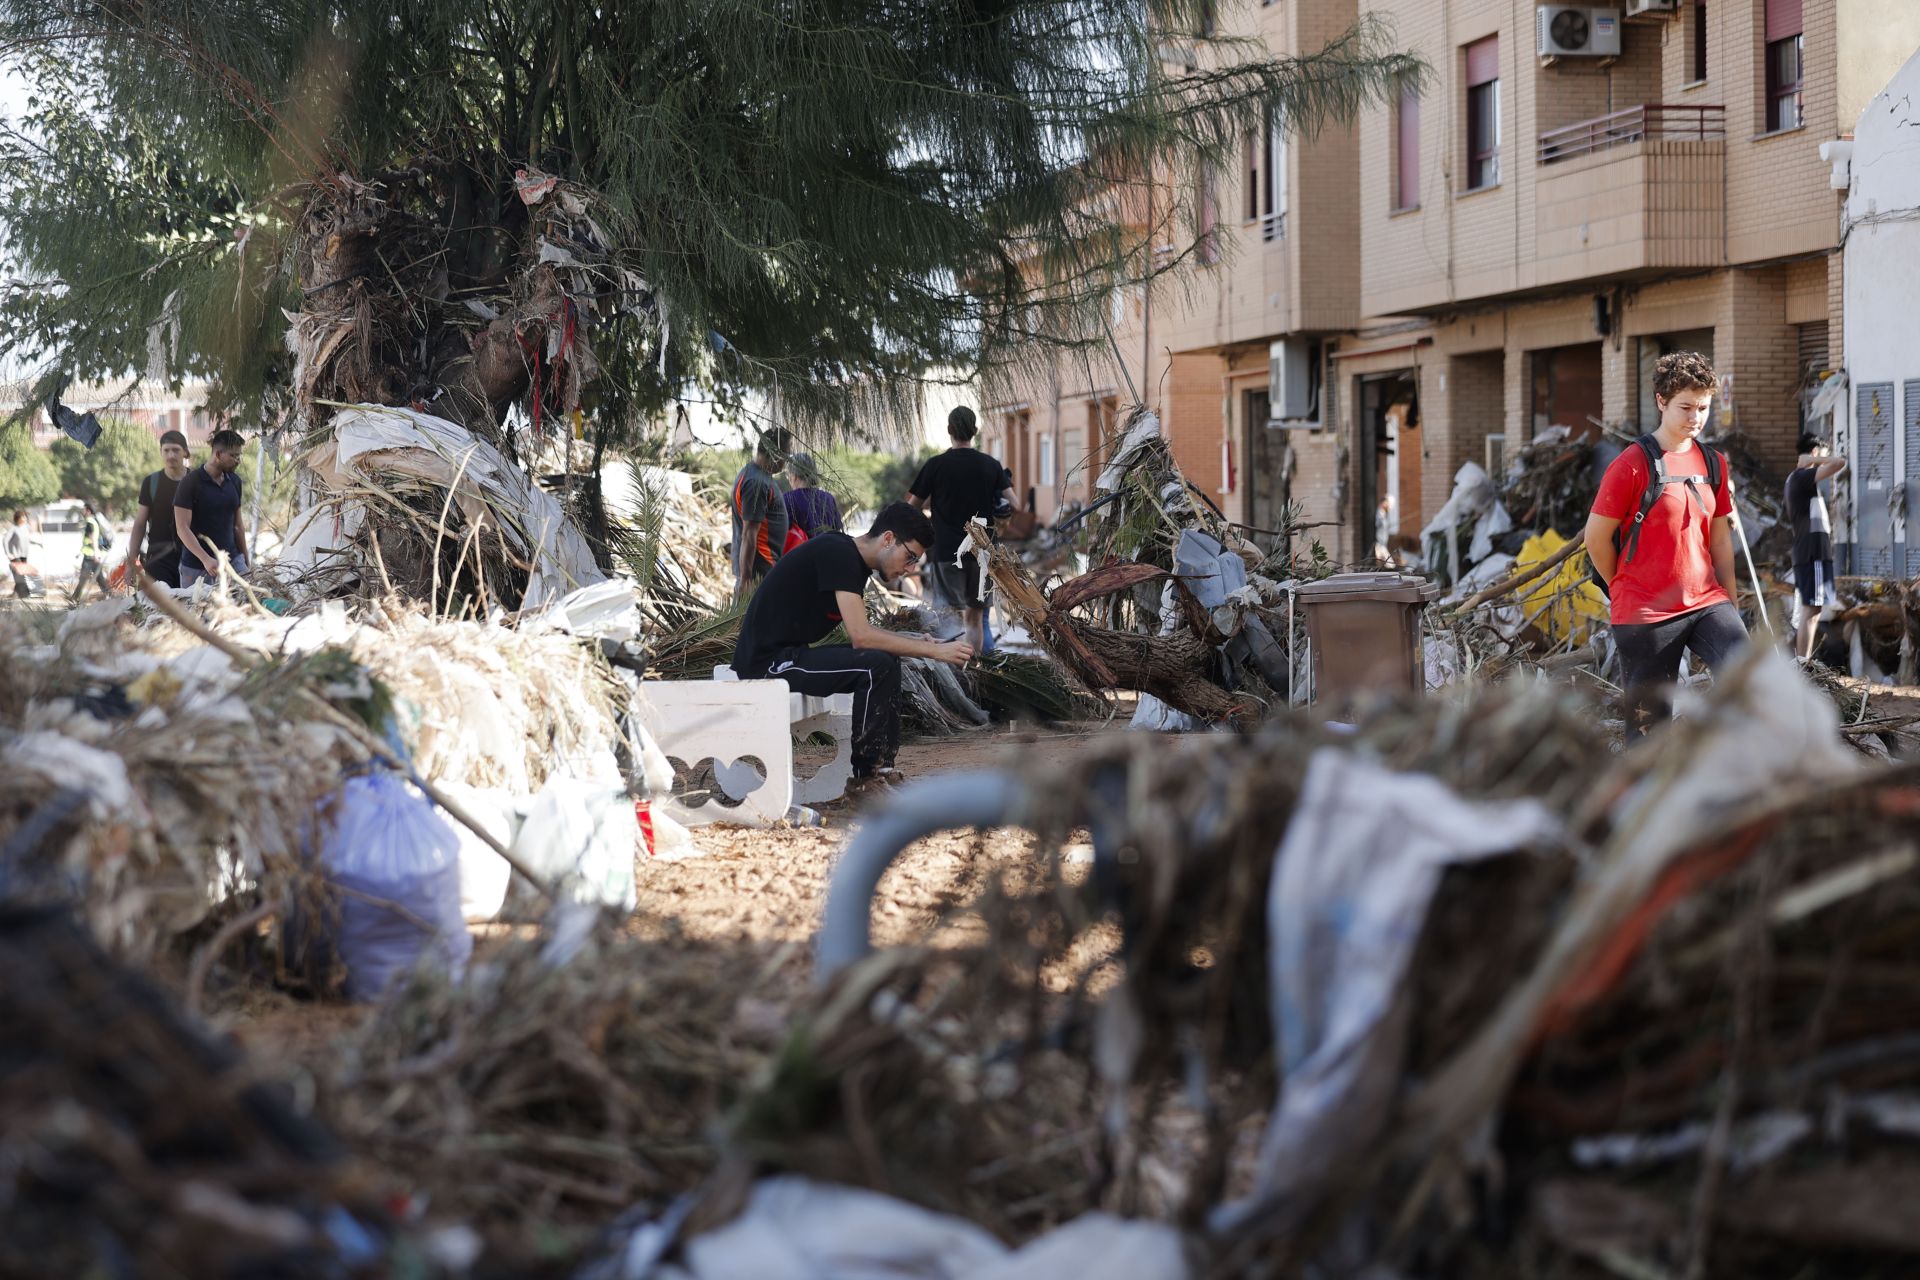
x: 1352, y: 882
x: 796, y: 1229
x: 371, y: 440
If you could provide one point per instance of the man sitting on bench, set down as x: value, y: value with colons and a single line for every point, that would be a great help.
x: 818, y: 585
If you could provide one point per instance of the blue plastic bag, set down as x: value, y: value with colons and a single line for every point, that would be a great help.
x: 388, y: 844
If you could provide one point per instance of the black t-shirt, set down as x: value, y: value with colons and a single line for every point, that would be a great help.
x: 156, y: 495
x: 795, y: 605
x: 215, y: 507
x: 963, y: 484
x: 1812, y: 533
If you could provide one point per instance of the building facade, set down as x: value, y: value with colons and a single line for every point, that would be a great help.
x: 1505, y: 249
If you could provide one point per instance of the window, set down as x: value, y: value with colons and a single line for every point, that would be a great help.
x: 1699, y: 49
x: 1406, y: 149
x: 1483, y: 113
x: 1266, y: 161
x: 1206, y: 219
x: 1783, y: 65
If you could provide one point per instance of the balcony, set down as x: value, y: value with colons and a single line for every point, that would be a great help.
x: 1653, y: 121
x: 1637, y: 191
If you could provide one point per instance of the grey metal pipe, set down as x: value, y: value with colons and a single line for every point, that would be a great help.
x: 978, y: 799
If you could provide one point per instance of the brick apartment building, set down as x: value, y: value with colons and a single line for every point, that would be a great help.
x: 1509, y: 249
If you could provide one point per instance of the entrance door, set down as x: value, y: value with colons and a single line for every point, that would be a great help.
x: 1266, y: 458
x: 1874, y: 474
x: 1566, y: 389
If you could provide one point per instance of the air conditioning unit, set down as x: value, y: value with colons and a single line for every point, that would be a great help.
x: 1577, y: 31
x: 1647, y: 8
x: 1293, y: 383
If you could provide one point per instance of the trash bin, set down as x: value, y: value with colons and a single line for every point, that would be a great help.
x: 1363, y: 635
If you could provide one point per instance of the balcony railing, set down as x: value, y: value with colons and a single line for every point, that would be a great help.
x: 1653, y: 121
x: 1272, y: 226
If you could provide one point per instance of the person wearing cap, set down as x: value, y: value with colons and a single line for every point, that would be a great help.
x: 154, y: 519
x: 759, y: 515
x: 810, y: 509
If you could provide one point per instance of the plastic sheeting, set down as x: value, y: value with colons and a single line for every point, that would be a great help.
x: 795, y: 1229
x: 1352, y: 881
x: 372, y: 440
x: 1564, y: 603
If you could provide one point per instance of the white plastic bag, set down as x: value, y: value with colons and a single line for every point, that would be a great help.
x: 581, y: 837
x: 484, y: 874
x: 385, y: 841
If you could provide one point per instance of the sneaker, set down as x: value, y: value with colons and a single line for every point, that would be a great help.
x: 870, y: 787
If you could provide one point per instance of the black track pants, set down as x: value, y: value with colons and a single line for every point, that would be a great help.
x: 872, y: 677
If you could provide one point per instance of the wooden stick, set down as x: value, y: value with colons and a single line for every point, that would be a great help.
x: 339, y: 719
x: 1520, y: 579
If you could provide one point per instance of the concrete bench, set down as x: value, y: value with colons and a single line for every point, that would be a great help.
x: 734, y: 723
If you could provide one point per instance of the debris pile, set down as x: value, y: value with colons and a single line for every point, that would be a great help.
x: 132, y: 1142
x: 1460, y: 988
x: 1177, y: 604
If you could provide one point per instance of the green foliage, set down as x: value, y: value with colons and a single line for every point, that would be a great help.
x: 851, y: 194
x: 27, y: 478
x: 109, y: 474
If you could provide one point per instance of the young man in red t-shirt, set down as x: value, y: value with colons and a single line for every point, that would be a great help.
x: 1676, y: 592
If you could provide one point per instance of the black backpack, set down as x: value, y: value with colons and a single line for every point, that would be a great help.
x: 1626, y: 538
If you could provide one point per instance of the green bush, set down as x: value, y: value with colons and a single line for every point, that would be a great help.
x: 27, y: 476
x: 109, y: 474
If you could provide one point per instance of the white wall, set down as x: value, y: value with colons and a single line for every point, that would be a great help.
x: 1881, y: 234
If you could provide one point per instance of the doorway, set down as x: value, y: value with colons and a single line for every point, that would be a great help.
x: 1389, y: 466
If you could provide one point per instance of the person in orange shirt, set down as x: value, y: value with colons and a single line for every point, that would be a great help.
x: 759, y: 513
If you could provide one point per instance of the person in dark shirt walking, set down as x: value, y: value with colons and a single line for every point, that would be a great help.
x: 759, y: 516
x: 819, y: 585
x: 1813, y: 595
x: 206, y: 512
x: 161, y: 556
x: 962, y: 484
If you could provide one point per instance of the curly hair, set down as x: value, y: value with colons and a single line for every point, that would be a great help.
x: 1680, y: 371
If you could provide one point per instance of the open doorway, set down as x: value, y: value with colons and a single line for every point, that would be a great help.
x: 1389, y: 467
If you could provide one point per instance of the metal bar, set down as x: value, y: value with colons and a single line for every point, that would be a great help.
x: 958, y: 800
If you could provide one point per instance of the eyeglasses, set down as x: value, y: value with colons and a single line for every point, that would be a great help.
x: 913, y: 557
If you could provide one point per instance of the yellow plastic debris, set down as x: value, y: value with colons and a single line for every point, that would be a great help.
x: 1565, y: 602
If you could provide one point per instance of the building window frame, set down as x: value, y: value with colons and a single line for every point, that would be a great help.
x: 1697, y: 44
x: 1206, y: 217
x: 1405, y: 140
x: 1482, y: 62
x: 1785, y: 80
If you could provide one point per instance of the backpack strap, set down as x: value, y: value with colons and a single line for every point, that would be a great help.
x: 1628, y: 539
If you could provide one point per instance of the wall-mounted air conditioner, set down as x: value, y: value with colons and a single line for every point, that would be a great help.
x: 1576, y: 31
x: 1653, y: 8
x: 1293, y: 383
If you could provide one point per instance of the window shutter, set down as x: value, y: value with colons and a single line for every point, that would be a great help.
x: 1408, y: 142
x: 1783, y: 19
x: 1483, y: 56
